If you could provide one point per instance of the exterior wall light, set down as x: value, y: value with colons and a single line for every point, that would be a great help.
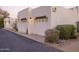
x: 54, y: 9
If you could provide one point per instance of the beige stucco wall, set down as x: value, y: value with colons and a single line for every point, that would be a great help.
x: 63, y: 16
x: 23, y: 26
x: 23, y: 14
x: 8, y: 23
x: 41, y: 27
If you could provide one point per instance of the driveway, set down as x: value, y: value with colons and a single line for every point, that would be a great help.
x: 11, y: 42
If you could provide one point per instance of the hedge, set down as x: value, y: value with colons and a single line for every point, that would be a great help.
x: 66, y: 31
x: 1, y: 22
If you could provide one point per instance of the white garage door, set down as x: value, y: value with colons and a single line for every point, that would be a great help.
x: 22, y: 27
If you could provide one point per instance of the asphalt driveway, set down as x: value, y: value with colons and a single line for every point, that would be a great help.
x: 11, y: 42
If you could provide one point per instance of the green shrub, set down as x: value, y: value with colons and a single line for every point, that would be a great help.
x: 1, y: 22
x: 52, y: 36
x: 66, y: 31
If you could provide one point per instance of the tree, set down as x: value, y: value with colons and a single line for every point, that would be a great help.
x: 4, y: 13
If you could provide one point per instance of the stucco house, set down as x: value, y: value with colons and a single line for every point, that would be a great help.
x: 38, y: 20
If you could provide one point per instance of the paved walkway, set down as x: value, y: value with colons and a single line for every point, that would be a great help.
x: 12, y: 42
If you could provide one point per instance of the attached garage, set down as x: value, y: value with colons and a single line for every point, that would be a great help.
x: 42, y: 19
x: 40, y: 25
x: 22, y: 25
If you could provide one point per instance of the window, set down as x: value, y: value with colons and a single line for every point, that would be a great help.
x: 41, y: 19
x: 24, y: 19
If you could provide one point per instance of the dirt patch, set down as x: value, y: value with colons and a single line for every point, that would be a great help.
x: 67, y: 45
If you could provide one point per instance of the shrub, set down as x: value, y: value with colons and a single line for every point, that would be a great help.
x: 66, y: 31
x: 51, y: 36
x: 1, y: 22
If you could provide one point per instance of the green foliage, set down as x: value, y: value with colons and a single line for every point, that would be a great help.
x: 52, y: 36
x: 1, y: 22
x: 66, y: 31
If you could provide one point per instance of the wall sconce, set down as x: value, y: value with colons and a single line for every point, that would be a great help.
x: 30, y: 17
x: 54, y: 9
